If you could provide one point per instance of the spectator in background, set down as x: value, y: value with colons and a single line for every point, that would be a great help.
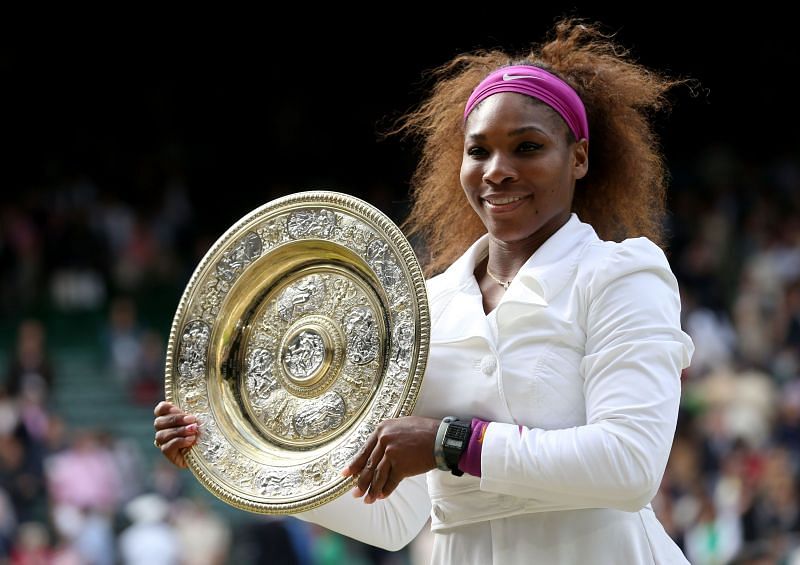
x: 149, y: 539
x: 84, y: 475
x: 205, y: 539
x: 124, y: 340
x: 21, y: 261
x: 32, y: 545
x: 268, y: 541
x: 30, y: 371
x: 85, y: 532
x: 715, y: 538
x: 77, y: 252
x: 30, y: 380
x: 8, y: 525
x: 22, y: 476
x: 148, y: 384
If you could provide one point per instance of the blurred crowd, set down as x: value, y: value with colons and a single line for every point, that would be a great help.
x: 75, y: 496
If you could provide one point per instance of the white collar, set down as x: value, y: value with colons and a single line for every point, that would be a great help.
x: 544, y: 273
x: 540, y: 279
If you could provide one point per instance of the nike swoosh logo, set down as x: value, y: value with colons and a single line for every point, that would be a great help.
x: 515, y: 77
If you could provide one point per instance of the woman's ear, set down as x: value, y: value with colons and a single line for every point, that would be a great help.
x: 581, y: 158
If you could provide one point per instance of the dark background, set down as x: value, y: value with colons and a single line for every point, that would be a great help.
x: 248, y: 107
x: 102, y: 116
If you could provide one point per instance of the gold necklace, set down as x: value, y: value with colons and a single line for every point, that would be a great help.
x: 498, y: 281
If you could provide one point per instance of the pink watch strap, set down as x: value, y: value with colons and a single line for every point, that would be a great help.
x: 470, y: 460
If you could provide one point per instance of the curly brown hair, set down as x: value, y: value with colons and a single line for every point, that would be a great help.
x: 623, y: 195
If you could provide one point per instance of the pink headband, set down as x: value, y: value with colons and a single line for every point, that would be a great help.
x: 538, y: 83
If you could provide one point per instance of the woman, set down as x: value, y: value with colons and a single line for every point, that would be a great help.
x: 550, y: 398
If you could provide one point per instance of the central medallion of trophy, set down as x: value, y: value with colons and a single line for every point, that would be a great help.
x: 312, y: 357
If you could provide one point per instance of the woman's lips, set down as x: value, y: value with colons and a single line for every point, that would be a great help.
x: 503, y: 203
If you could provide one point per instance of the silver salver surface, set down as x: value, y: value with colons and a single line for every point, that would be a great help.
x: 304, y: 326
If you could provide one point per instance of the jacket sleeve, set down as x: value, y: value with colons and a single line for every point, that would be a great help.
x: 635, y: 351
x: 391, y: 523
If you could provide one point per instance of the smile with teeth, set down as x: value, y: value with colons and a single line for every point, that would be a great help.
x: 500, y: 201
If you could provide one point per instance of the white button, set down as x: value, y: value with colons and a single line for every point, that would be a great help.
x: 438, y: 512
x: 488, y: 364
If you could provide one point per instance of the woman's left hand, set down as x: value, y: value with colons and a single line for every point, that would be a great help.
x: 398, y: 448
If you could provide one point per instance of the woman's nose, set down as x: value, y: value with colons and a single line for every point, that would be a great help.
x: 498, y: 170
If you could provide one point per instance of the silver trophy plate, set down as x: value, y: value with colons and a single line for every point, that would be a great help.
x: 304, y: 326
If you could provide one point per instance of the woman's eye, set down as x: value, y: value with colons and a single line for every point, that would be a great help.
x: 529, y: 146
x: 476, y: 152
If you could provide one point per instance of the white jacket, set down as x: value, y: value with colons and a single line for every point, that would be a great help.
x: 578, y: 370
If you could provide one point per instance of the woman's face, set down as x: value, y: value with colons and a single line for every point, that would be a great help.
x: 519, y: 168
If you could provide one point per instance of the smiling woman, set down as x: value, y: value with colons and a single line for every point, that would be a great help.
x: 518, y: 172
x: 549, y: 402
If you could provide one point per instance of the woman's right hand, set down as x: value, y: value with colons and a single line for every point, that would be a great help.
x: 176, y: 431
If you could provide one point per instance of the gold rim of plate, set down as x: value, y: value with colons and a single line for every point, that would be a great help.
x: 304, y: 326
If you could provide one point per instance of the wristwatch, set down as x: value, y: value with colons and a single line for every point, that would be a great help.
x: 454, y: 443
x: 438, y: 446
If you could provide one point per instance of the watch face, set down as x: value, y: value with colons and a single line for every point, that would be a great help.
x: 451, y: 442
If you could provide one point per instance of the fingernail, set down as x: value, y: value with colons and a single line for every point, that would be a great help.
x: 191, y: 439
x: 189, y: 418
x: 357, y: 493
x: 345, y: 472
x: 191, y: 428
